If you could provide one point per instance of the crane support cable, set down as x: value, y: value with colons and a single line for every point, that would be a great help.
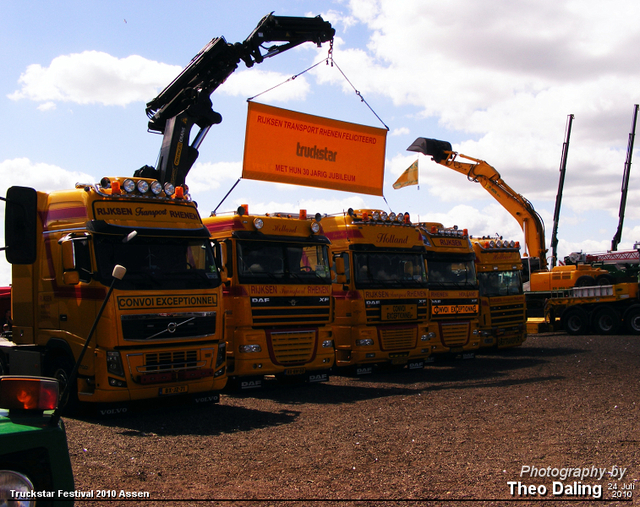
x: 329, y: 61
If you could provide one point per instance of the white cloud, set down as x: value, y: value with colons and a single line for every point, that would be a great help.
x: 402, y: 131
x: 43, y: 177
x: 94, y: 77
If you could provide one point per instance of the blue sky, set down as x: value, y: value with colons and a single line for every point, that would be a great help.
x: 497, y: 79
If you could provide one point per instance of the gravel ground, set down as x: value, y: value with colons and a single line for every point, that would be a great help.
x: 454, y: 432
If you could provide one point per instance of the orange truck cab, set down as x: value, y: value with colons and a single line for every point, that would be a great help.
x: 503, y: 312
x: 380, y: 291
x: 453, y: 290
x: 160, y: 332
x: 277, y: 296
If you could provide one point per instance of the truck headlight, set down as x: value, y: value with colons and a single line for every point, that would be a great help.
x: 114, y: 363
x: 327, y: 344
x: 364, y: 342
x: 17, y: 483
x: 253, y: 347
x: 222, y: 353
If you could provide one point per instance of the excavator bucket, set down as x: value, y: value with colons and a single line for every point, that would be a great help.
x: 433, y: 147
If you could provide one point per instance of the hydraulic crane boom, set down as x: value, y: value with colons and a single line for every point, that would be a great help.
x: 625, y: 181
x: 186, y: 101
x: 479, y: 171
x: 556, y: 211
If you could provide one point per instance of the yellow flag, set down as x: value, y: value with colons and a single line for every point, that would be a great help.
x: 409, y: 177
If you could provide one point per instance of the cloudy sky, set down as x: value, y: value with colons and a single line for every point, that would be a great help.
x: 497, y: 79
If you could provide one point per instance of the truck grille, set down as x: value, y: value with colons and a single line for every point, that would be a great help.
x: 169, y: 326
x: 169, y: 361
x: 454, y: 335
x: 290, y: 310
x: 292, y: 347
x: 506, y: 315
x: 398, y: 337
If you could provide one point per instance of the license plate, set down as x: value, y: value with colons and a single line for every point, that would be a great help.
x: 399, y: 312
x: 399, y: 360
x: 294, y: 371
x: 514, y: 340
x: 163, y: 391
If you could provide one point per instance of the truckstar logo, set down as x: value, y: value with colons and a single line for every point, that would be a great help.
x: 317, y: 153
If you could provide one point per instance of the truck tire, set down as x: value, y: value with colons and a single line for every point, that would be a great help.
x: 575, y: 321
x: 632, y: 320
x: 605, y: 320
x: 585, y: 281
x: 604, y: 280
x: 60, y: 367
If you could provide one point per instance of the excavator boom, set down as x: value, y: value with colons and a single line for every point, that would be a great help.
x: 481, y: 172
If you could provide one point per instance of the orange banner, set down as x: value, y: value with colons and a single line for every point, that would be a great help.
x: 290, y: 147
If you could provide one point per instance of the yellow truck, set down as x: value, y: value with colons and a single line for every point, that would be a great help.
x: 453, y: 290
x: 277, y: 296
x: 160, y: 332
x: 379, y: 290
x: 599, y: 309
x: 503, y: 311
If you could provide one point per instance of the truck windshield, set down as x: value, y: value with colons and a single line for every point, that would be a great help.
x: 278, y: 262
x: 389, y: 269
x: 500, y: 283
x: 452, y: 274
x: 157, y: 263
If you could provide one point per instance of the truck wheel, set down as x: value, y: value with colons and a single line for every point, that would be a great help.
x: 60, y: 368
x: 606, y: 320
x: 604, y: 280
x: 585, y: 281
x: 632, y: 320
x: 575, y: 321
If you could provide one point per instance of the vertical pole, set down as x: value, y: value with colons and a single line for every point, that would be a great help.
x: 556, y: 212
x: 625, y: 181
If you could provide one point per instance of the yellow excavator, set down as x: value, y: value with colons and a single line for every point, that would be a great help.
x: 541, y: 278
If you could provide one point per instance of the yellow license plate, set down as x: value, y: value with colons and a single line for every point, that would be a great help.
x: 399, y: 312
x: 294, y: 371
x: 513, y: 340
x: 163, y: 391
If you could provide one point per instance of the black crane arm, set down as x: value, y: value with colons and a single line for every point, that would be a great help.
x: 186, y: 100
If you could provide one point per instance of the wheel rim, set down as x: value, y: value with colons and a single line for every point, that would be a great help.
x: 606, y: 323
x: 574, y: 323
x: 634, y: 322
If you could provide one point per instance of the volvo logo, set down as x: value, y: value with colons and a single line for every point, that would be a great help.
x: 293, y: 302
x: 171, y: 327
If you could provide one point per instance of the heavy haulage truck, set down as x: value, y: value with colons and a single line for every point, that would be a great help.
x: 453, y: 290
x: 160, y: 333
x: 277, y: 296
x: 601, y: 309
x: 380, y: 291
x: 503, y: 311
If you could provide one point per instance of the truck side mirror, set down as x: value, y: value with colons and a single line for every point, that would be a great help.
x: 20, y: 225
x: 68, y: 255
x: 70, y: 274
